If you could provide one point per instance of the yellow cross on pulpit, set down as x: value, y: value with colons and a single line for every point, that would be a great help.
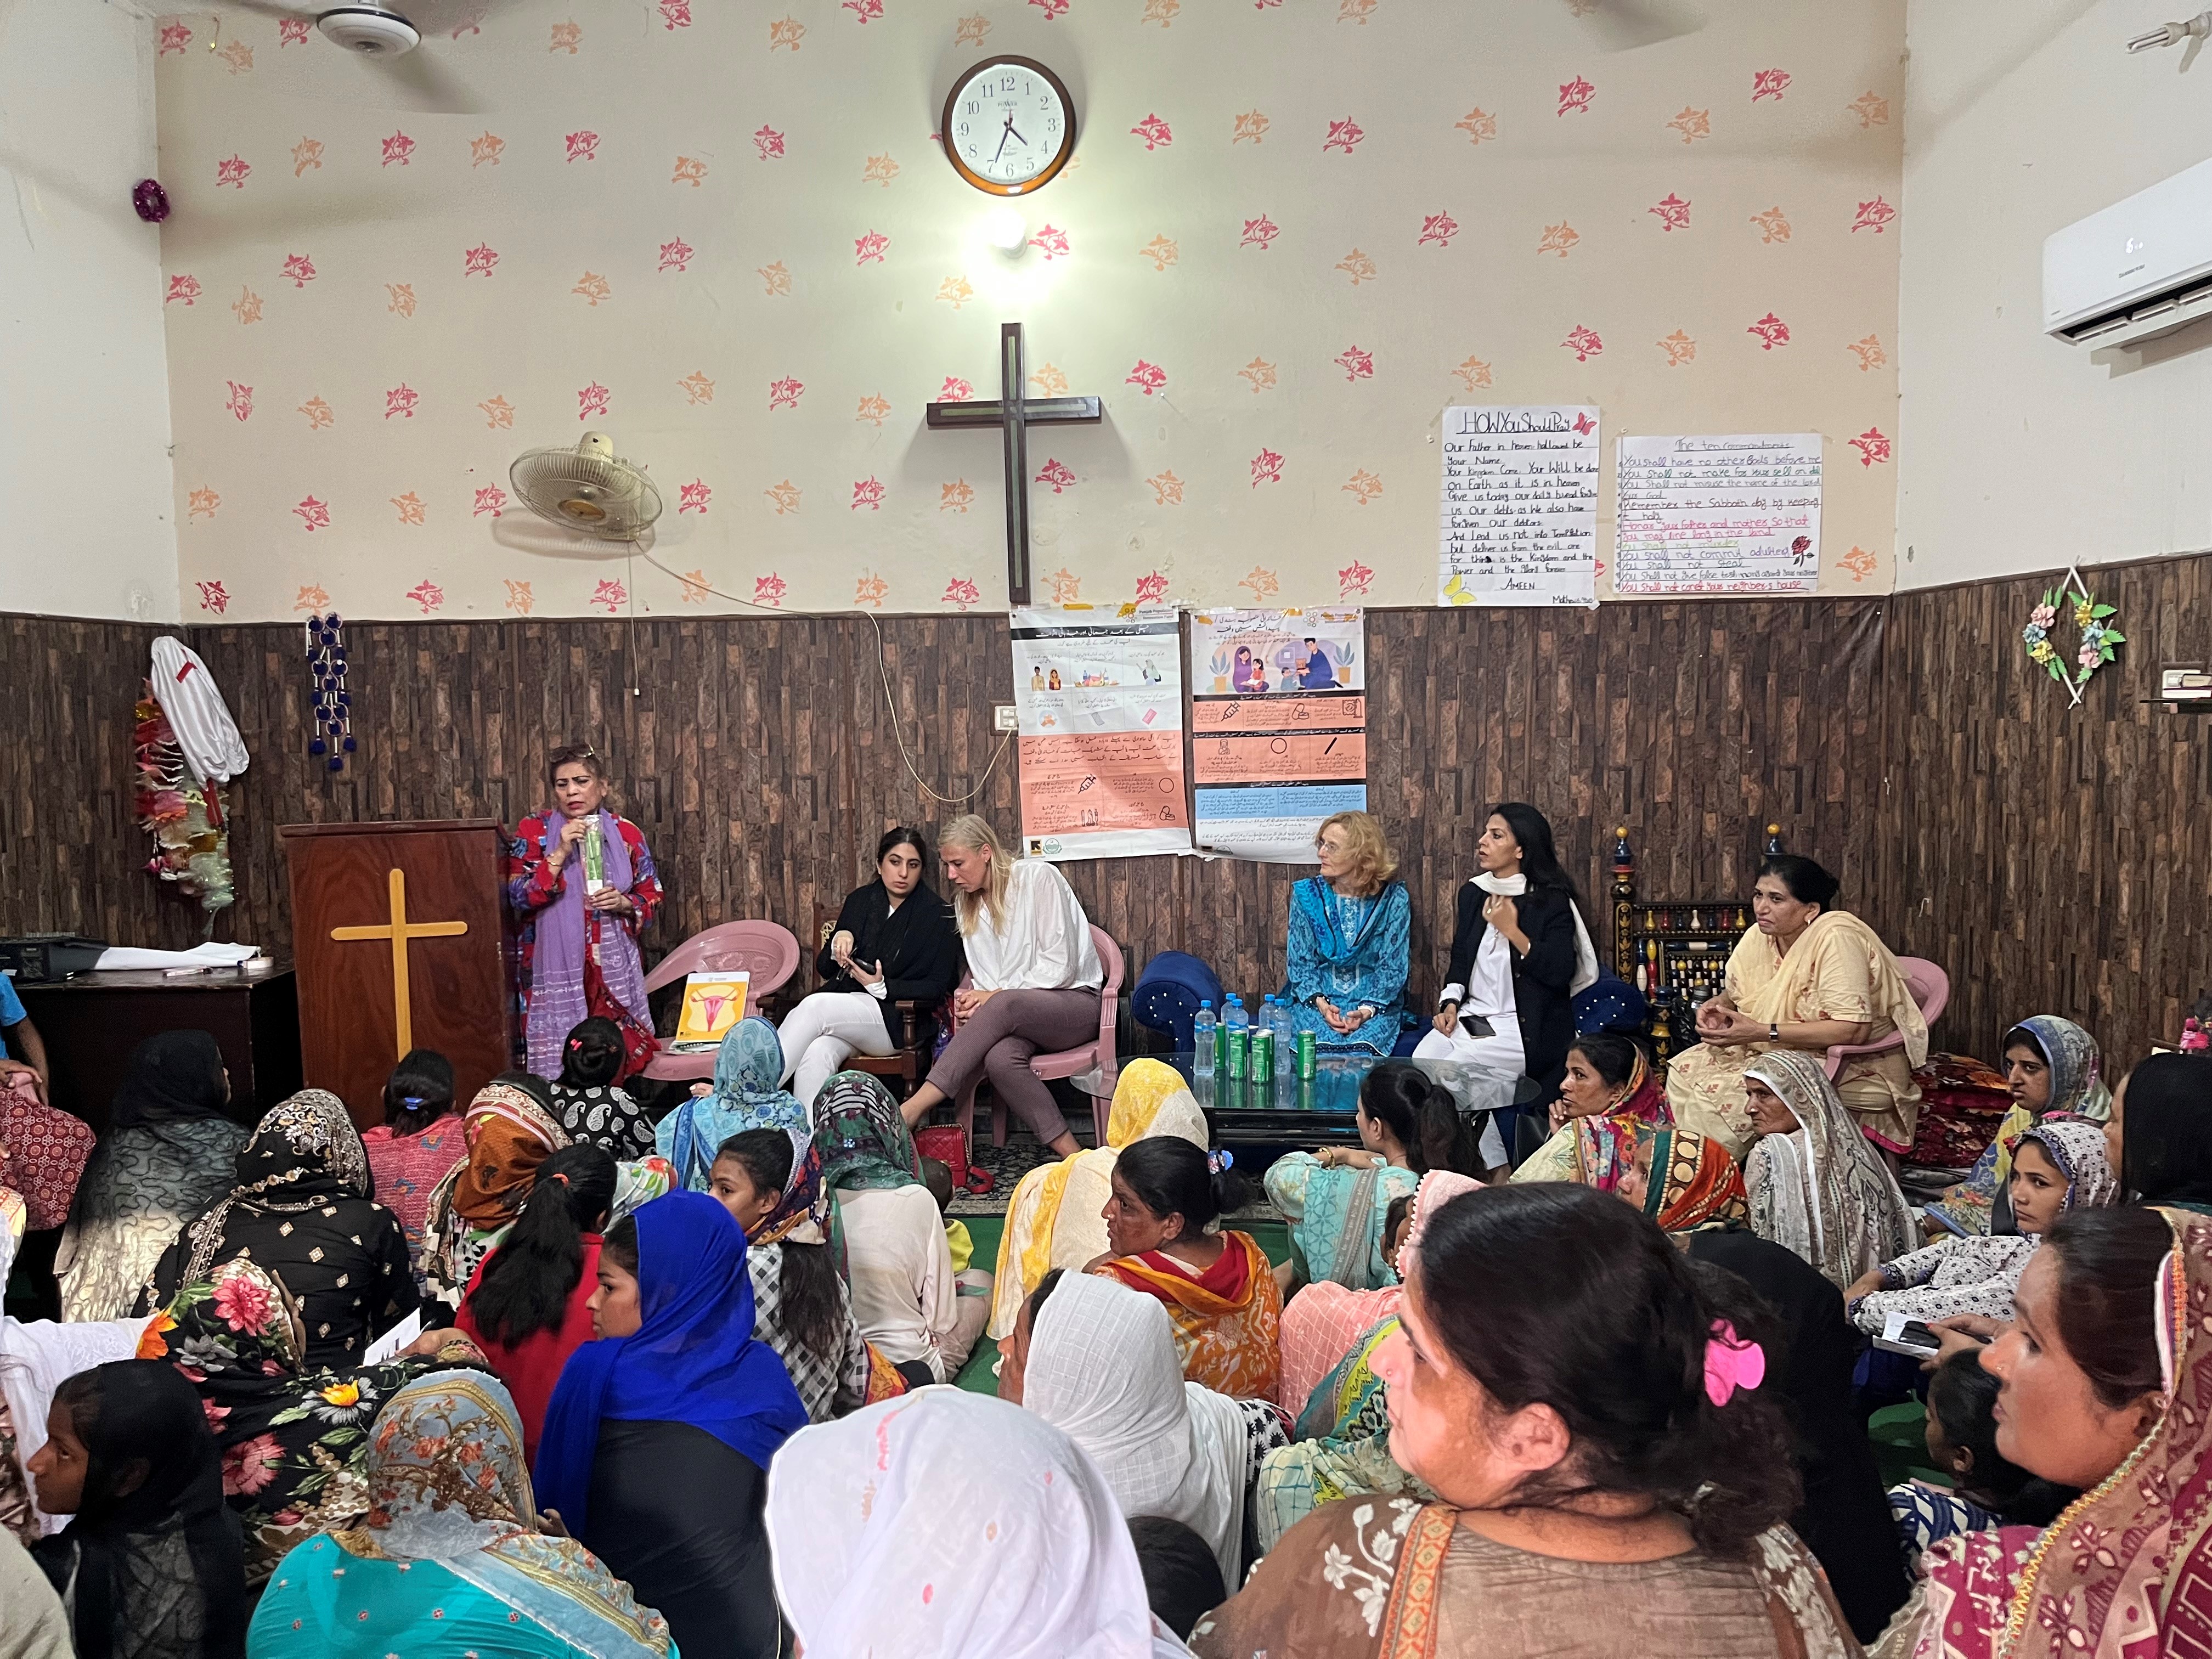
x: 399, y: 930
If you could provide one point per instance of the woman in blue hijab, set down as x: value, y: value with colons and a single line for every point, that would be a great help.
x: 656, y: 1446
x: 746, y: 1096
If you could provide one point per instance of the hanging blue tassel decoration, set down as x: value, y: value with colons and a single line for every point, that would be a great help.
x: 333, y: 705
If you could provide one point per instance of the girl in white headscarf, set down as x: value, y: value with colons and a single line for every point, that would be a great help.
x: 1816, y: 1184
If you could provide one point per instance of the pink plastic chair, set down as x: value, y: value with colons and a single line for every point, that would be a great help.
x: 1069, y: 1062
x: 762, y: 949
x: 1931, y: 993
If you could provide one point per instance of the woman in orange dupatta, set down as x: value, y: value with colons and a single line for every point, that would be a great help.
x: 1162, y: 1225
x: 1685, y: 1183
x: 510, y: 1129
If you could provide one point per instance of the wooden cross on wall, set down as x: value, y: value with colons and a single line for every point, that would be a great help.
x: 1013, y: 413
x: 399, y: 931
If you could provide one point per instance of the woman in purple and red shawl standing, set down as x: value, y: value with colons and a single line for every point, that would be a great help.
x: 582, y: 881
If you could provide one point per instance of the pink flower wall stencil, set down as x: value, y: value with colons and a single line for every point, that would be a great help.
x: 784, y: 495
x: 1771, y: 331
x: 676, y: 255
x: 240, y: 401
x: 1259, y: 233
x: 1051, y: 241
x: 567, y: 37
x: 427, y: 594
x: 694, y: 496
x: 1354, y: 579
x: 186, y: 288
x: 291, y: 32
x: 1151, y: 587
x: 777, y: 278
x: 1162, y: 251
x: 315, y: 596
x: 1858, y: 562
x: 1267, y: 468
x: 1773, y: 225
x: 609, y: 596
x: 491, y: 500
x: 1056, y: 474
x: 879, y: 170
x: 410, y: 508
x: 1671, y: 211
x: 1344, y: 134
x: 865, y: 11
x: 592, y: 400
x: 1437, y: 227
x: 869, y: 246
x: 1680, y: 349
x: 769, y: 590
x: 298, y: 270
x: 233, y: 170
x: 695, y: 585
x: 1148, y: 378
x: 1167, y: 490
x: 1051, y: 9
x: 1357, y: 365
x: 955, y: 497
x: 1477, y: 123
x: 582, y: 146
x: 1576, y: 96
x: 518, y: 597
x: 479, y: 261
x: 1871, y: 445
x: 869, y: 589
x: 786, y: 32
x: 318, y: 413
x: 1872, y: 112
x: 401, y: 400
x: 1358, y: 266
x: 961, y: 591
x: 398, y: 151
x: 769, y: 142
x: 1769, y: 83
x: 868, y: 492
x: 593, y: 287
x: 1066, y: 586
x: 201, y: 503
x: 498, y: 413
x: 688, y: 172
x: 1154, y: 132
x: 784, y: 393
x: 954, y: 291
x: 1262, y: 582
x: 307, y: 153
x: 872, y: 409
x: 1558, y: 239
x: 1693, y: 124
x: 676, y: 14
x: 175, y: 37
x: 1874, y: 216
x: 1252, y: 125
x: 313, y: 514
x: 469, y: 20
x: 954, y: 390
x: 485, y: 151
x: 1362, y: 487
x: 401, y: 297
x: 1869, y: 352
x: 213, y: 597
x: 1583, y: 342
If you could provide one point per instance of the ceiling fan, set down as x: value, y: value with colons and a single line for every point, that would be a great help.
x: 373, y: 30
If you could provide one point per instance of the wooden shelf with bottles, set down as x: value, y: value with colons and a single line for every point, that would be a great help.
x: 1674, y: 951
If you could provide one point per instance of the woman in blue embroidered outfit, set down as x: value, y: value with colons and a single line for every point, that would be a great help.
x: 448, y: 1558
x: 1349, y: 934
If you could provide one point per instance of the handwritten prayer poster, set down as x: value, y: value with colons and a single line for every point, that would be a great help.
x: 1518, y: 522
x: 1718, y: 514
x: 1278, y: 727
x: 1099, y: 696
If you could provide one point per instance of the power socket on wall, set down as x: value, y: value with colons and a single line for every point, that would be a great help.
x: 1004, y: 718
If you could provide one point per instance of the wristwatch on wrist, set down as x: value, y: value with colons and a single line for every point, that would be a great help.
x: 1774, y: 1032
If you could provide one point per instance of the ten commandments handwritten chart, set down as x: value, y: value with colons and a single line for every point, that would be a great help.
x: 1518, y: 523
x: 1718, y: 515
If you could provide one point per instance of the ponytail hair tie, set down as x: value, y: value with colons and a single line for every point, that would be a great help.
x: 1731, y: 1364
x: 414, y: 1103
x: 557, y: 1175
x: 1216, y: 1162
x: 576, y: 1043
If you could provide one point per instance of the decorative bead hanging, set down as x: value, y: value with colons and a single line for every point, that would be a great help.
x: 326, y: 667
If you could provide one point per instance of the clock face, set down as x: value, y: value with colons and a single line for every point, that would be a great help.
x: 1009, y: 125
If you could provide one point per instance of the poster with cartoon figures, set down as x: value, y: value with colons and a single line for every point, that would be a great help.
x: 1278, y: 727
x: 1099, y: 697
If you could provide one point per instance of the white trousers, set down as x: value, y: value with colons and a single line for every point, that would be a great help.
x: 824, y: 1032
x: 1499, y: 1054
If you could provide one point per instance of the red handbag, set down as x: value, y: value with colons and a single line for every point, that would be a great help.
x: 948, y: 1144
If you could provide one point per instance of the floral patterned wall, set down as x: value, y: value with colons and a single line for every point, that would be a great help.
x: 1293, y: 233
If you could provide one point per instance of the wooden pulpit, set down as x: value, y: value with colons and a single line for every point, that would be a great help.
x: 400, y: 934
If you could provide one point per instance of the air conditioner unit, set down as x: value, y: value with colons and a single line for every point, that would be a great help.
x: 2139, y: 270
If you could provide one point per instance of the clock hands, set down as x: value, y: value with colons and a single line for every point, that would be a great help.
x: 1008, y: 133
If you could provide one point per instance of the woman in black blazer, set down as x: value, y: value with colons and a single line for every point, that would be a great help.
x: 1519, y: 952
x: 895, y: 942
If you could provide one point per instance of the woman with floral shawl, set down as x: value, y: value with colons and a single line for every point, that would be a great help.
x: 447, y: 1556
x: 2070, y: 1086
x: 1609, y: 1078
x: 1685, y: 1183
x: 745, y: 1095
x: 1816, y: 1185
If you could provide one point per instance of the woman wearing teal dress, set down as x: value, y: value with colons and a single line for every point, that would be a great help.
x: 1349, y: 928
x: 449, y: 1558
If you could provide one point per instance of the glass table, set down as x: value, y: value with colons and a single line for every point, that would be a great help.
x: 1317, y: 1111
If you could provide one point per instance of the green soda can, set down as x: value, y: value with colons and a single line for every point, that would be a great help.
x: 1308, y: 1056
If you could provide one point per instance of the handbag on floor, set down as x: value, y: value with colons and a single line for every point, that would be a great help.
x: 948, y: 1144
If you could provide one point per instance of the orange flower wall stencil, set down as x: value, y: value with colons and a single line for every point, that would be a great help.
x: 498, y: 413
x: 879, y: 170
x: 784, y: 495
x: 401, y: 297
x: 1364, y: 486
x: 237, y: 56
x: 873, y: 409
x: 697, y: 388
x: 318, y: 413
x: 1680, y: 349
x: 695, y: 585
x: 1066, y: 586
x: 1355, y: 11
x: 955, y: 290
x: 307, y: 153
x: 1693, y: 124
x: 1161, y: 12
x: 1167, y: 490
x: 777, y: 278
x: 410, y: 508
x: 1558, y: 239
x: 1869, y: 352
x: 315, y: 596
x: 955, y: 497
x: 1161, y: 251
x: 1473, y: 373
x: 1251, y: 125
x: 518, y: 597
x: 1049, y: 380
x: 248, y: 305
x: 869, y: 590
x: 485, y: 151
x: 1261, y: 373
x: 688, y: 172
x: 1871, y: 112
x: 1262, y: 582
x: 1358, y: 266
x: 1477, y: 123
x: 1773, y: 225
x: 567, y: 37
x: 786, y: 32
x: 201, y: 504
x: 593, y: 287
x: 1858, y: 562
x: 971, y: 31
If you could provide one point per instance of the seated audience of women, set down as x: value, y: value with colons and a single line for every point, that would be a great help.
x: 169, y: 1153
x: 2053, y: 1068
x: 301, y: 1212
x: 1595, y: 1430
x: 1097, y: 1361
x: 1033, y: 979
x: 1520, y: 952
x: 1988, y: 1490
x: 1324, y: 1320
x: 2163, y: 1150
x: 1684, y: 1183
x: 449, y: 1556
x: 1607, y: 1086
x: 1816, y: 1184
x: 745, y: 1095
x: 1182, y: 1578
x: 906, y: 1296
x: 36, y: 1626
x: 528, y: 1304
x: 586, y: 1100
x: 895, y: 942
x: 2097, y: 1383
x: 1164, y: 1238
x: 149, y: 1566
x: 417, y: 1145
x: 1349, y: 930
x: 949, y: 1525
x: 1336, y: 1200
x: 771, y: 1182
x: 1805, y: 979
x: 1056, y: 1218
x: 657, y: 1446
x: 43, y: 1150
x: 2058, y: 1166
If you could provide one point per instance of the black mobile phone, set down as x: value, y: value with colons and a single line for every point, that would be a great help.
x: 1917, y: 1335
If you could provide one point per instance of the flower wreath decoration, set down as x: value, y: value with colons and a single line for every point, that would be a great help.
x: 2098, y: 635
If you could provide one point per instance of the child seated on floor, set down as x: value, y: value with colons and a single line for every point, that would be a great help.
x: 1987, y: 1489
x: 970, y: 1282
x: 937, y: 1175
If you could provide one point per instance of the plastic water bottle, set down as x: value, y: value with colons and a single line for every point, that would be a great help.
x: 1263, y: 1065
x: 1235, y: 1024
x: 1203, y: 1044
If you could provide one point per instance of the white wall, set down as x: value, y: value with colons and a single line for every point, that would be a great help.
x: 87, y: 526
x: 2017, y: 452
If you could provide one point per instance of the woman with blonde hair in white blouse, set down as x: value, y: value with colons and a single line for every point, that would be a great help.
x: 1034, y: 978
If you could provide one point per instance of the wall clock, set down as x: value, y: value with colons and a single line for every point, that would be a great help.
x: 1009, y: 125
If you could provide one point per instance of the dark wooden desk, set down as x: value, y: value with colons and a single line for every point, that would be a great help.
x: 91, y: 1024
